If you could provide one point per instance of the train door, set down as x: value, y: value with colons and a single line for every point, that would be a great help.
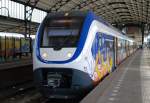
x: 97, y: 55
x: 109, y: 52
x: 119, y: 49
x: 17, y: 48
x: 25, y: 46
x: 115, y: 52
x: 124, y: 48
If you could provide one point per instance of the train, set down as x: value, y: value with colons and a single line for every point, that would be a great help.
x: 74, y: 51
x: 12, y: 45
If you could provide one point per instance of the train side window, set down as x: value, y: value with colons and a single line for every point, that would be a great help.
x: 100, y: 40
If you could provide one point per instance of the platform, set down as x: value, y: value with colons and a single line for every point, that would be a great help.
x: 15, y: 72
x: 129, y: 83
x: 15, y: 63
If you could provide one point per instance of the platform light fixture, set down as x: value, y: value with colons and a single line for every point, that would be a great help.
x: 66, y: 14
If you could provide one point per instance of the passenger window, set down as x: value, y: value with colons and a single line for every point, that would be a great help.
x: 100, y: 40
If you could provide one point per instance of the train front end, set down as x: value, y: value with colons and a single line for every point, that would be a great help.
x: 58, y: 62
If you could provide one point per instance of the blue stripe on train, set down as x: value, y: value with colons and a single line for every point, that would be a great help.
x: 89, y: 18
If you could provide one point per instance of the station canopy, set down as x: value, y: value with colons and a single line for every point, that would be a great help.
x: 12, y: 12
x: 114, y: 11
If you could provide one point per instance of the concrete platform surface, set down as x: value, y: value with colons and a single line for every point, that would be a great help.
x: 14, y: 64
x: 129, y: 83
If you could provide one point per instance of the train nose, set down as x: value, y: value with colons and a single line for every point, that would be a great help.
x: 54, y: 80
x: 59, y: 80
x: 54, y: 77
x: 62, y: 82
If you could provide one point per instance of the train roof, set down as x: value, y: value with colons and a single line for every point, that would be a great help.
x: 119, y: 34
x: 68, y: 13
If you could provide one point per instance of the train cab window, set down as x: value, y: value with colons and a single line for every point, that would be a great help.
x: 62, y: 32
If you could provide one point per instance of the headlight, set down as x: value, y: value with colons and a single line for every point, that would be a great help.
x: 69, y: 54
x: 44, y: 55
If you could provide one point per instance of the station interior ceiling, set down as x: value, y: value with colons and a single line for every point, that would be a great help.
x: 114, y: 11
x: 15, y: 25
x: 120, y: 13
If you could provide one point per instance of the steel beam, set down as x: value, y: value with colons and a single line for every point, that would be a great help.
x: 24, y: 3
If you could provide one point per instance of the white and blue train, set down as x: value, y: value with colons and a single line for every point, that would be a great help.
x: 73, y: 52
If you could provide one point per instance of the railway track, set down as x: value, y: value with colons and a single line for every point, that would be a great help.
x: 13, y: 90
x: 15, y: 76
x: 17, y: 86
x: 31, y: 95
